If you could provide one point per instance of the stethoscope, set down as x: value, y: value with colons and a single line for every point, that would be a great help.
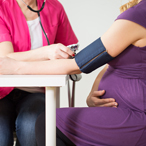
x: 38, y: 12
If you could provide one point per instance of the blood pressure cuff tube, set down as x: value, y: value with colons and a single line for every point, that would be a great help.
x: 92, y: 57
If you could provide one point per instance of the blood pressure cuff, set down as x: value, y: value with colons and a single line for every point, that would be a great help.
x: 92, y: 57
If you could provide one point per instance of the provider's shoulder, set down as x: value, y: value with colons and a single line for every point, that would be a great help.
x: 7, y: 5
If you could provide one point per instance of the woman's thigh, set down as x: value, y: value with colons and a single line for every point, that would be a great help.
x: 91, y: 126
x: 7, y: 118
x: 28, y: 110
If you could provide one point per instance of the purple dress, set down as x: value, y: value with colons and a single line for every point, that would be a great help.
x: 124, y: 80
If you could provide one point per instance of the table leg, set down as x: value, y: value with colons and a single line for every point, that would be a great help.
x: 50, y: 109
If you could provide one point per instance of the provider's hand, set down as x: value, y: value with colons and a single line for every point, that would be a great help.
x: 95, y: 101
x: 59, y: 51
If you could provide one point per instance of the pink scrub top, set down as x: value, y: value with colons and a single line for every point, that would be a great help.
x: 14, y: 28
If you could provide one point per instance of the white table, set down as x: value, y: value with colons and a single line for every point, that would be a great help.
x: 52, y: 84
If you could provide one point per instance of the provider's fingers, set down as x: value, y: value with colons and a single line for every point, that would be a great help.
x: 62, y: 55
x: 66, y: 49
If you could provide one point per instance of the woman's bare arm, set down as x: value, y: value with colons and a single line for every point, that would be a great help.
x: 122, y: 34
x: 58, y: 66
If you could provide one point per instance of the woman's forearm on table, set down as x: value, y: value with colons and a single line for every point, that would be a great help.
x: 54, y: 67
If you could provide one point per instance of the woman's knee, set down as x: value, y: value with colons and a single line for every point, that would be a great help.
x: 25, y: 129
x: 28, y: 112
x: 33, y: 103
x: 26, y: 120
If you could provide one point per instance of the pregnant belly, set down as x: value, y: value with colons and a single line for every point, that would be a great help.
x: 127, y: 92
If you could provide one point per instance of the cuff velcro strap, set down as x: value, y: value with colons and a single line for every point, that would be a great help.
x: 92, y: 57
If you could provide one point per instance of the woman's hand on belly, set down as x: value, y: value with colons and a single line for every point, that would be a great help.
x: 94, y: 100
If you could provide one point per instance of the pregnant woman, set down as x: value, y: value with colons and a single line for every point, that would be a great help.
x: 123, y: 47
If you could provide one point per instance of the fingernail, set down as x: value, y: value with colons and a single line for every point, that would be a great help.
x: 73, y: 55
x: 115, y: 106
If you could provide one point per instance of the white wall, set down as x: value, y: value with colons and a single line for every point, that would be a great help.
x: 89, y: 19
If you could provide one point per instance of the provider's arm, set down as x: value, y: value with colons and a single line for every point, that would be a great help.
x: 54, y: 51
